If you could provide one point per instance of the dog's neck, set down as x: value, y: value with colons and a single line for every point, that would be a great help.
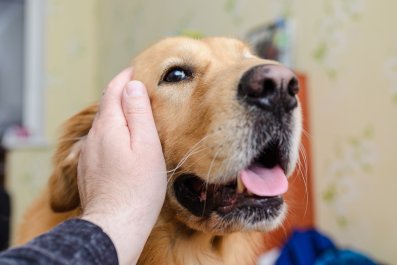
x: 174, y: 243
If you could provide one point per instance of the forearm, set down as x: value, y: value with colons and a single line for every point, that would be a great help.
x: 128, y: 230
x: 74, y: 242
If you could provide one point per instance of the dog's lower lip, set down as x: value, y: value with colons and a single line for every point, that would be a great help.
x: 265, y: 203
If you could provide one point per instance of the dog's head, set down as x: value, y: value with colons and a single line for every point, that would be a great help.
x: 229, y: 123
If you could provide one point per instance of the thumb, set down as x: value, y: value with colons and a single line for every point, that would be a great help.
x: 138, y: 113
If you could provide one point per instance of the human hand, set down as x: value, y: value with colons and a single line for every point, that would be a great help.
x: 121, y: 170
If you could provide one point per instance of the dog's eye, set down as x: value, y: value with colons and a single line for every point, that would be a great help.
x: 177, y: 74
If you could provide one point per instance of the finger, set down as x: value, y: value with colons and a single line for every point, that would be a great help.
x: 111, y: 99
x: 138, y: 113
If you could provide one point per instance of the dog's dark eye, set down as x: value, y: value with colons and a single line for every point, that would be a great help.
x: 177, y: 74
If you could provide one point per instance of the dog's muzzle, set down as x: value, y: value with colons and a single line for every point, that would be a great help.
x: 253, y: 196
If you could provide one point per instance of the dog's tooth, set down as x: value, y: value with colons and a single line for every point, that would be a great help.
x: 203, y: 196
x: 240, y: 185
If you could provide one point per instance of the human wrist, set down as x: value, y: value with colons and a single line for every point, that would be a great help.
x: 128, y: 238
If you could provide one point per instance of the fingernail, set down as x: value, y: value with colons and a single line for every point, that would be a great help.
x: 135, y: 88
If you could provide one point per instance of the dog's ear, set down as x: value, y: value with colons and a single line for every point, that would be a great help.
x: 64, y: 195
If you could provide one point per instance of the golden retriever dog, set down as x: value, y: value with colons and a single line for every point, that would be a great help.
x: 229, y: 124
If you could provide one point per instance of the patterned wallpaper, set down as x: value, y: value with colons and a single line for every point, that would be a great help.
x: 353, y: 96
x: 348, y: 49
x: 331, y: 38
x: 354, y: 158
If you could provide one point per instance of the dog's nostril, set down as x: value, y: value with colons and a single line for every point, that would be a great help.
x: 269, y: 87
x: 293, y: 87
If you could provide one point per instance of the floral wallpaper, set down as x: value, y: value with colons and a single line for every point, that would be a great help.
x: 353, y: 75
x: 353, y: 158
x: 347, y: 49
x: 331, y: 35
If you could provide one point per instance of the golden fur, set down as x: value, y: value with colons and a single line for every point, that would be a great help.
x: 200, y: 127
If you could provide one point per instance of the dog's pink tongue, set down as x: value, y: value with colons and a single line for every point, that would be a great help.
x: 264, y: 181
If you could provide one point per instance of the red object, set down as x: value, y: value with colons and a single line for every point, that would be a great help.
x: 299, y: 196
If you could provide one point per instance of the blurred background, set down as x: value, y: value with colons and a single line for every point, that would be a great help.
x: 56, y: 57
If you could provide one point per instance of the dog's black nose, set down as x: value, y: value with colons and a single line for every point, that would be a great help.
x: 269, y: 87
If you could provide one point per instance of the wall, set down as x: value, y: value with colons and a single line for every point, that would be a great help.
x: 127, y: 27
x: 347, y: 48
x: 70, y: 61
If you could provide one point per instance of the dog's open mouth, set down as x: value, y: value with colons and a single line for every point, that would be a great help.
x: 259, y: 187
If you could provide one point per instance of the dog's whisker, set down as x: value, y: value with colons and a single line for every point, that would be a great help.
x: 302, y: 151
x: 208, y: 175
x: 172, y: 172
x: 186, y: 157
x: 306, y: 134
x: 192, y: 149
x: 196, y: 148
x: 303, y: 174
x: 197, y: 160
x: 285, y: 230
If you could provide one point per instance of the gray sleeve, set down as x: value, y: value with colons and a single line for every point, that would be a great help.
x: 75, y: 241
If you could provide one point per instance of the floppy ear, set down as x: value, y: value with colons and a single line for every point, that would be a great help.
x: 64, y: 195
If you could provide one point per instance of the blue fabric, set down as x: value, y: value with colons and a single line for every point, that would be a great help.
x: 312, y: 248
x: 304, y: 247
x: 343, y: 257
